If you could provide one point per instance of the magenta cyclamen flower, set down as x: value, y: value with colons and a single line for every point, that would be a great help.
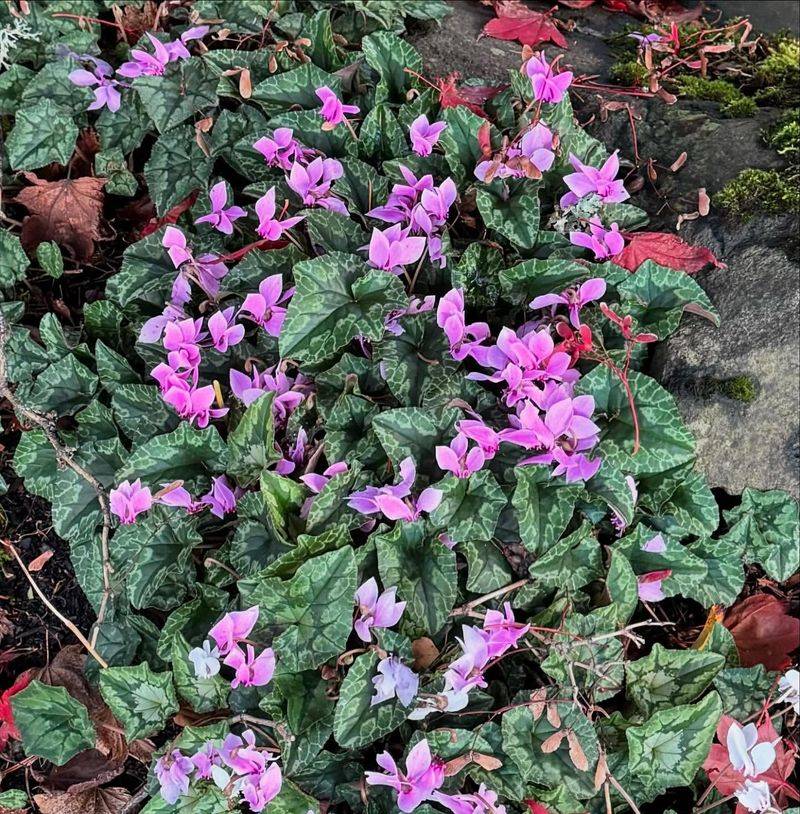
x: 504, y: 631
x: 129, y: 500
x: 259, y: 789
x: 333, y: 111
x: 651, y: 586
x: 394, y: 680
x: 484, y: 801
x: 177, y: 48
x: 402, y: 198
x: 206, y: 270
x: 233, y: 628
x: 221, y: 498
x: 265, y: 308
x: 182, y: 340
x: 423, y: 775
x: 547, y: 85
x: 573, y: 298
x: 105, y: 88
x: 376, y: 611
x: 224, y: 331
x: 221, y: 216
x: 392, y: 248
x: 173, y: 771
x: 144, y: 63
x: 313, y: 183
x: 251, y: 670
x: 289, y: 395
x: 424, y: 135
x: 465, y: 340
x: 282, y: 149
x: 537, y: 146
x: 316, y: 483
x: 593, y: 181
x: 433, y: 209
x: 270, y: 227
x: 457, y: 460
x: 466, y: 671
x: 603, y: 242
x: 485, y: 437
x: 566, y: 422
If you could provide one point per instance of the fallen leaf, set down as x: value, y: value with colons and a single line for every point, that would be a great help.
x: 39, y: 562
x: 517, y: 22
x: 425, y: 652
x: 92, y: 801
x: 669, y: 11
x: 66, y: 211
x: 171, y: 216
x: 538, y: 701
x: 576, y: 753
x: 679, y: 161
x: 85, y: 771
x: 552, y: 743
x: 487, y: 762
x: 703, y: 202
x: 666, y: 249
x: 553, y: 718
x: 764, y: 631
x: 472, y: 97
x: 245, y: 84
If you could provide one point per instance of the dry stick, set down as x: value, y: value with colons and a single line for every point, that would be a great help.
x: 52, y: 608
x: 63, y: 456
x: 465, y: 609
x: 628, y: 799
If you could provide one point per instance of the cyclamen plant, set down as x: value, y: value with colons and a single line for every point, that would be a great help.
x: 386, y: 501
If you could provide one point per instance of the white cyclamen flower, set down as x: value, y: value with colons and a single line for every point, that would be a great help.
x: 747, y: 755
x: 205, y: 660
x: 789, y: 685
x: 755, y: 797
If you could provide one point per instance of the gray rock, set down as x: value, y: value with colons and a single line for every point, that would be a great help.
x: 742, y: 443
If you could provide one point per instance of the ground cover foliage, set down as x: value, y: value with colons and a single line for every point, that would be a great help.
x: 352, y: 445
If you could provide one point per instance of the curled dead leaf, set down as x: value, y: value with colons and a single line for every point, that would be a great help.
x: 601, y: 772
x: 39, y: 562
x: 487, y: 762
x: 538, y: 703
x: 92, y: 801
x: 679, y: 161
x: 425, y: 652
x: 245, y: 84
x: 703, y: 202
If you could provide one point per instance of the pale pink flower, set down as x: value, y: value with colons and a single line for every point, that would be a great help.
x: 251, y: 670
x: 423, y: 775
x: 424, y: 135
x: 221, y: 216
x: 233, y: 628
x: 376, y: 610
x: 129, y: 500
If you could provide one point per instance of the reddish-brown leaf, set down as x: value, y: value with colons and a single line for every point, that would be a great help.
x: 93, y: 801
x: 552, y: 743
x: 517, y: 22
x: 576, y: 753
x: 425, y: 652
x: 667, y: 250
x: 764, y: 631
x: 86, y: 770
x: 39, y: 562
x: 469, y: 96
x: 171, y: 216
x: 66, y: 211
x: 537, y: 808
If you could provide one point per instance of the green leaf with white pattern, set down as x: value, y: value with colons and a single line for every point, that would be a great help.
x: 725, y: 577
x: 54, y: 725
x: 470, y: 507
x: 391, y: 57
x: 43, y: 133
x: 295, y: 88
x: 665, y: 678
x: 515, y: 217
x: 141, y: 412
x: 412, y: 431
x: 13, y: 260
x: 201, y: 694
x: 460, y: 142
x: 622, y: 588
x: 381, y: 137
x: 744, y: 690
x: 337, y: 298
x: 251, y: 446
x: 571, y: 563
x: 422, y: 569
x: 49, y: 256
x: 315, y: 606
x: 664, y: 440
x: 487, y: 567
x: 63, y: 387
x: 669, y: 748
x: 358, y: 723
x: 146, y: 275
x: 530, y: 278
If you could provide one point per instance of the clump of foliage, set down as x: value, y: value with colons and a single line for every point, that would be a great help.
x: 733, y: 102
x: 358, y: 534
x: 754, y: 191
x: 628, y: 72
x: 784, y: 137
x: 779, y: 73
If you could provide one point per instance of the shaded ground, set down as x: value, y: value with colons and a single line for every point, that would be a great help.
x: 740, y: 443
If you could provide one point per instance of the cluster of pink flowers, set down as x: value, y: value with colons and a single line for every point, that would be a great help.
x: 250, y: 670
x: 106, y: 88
x: 420, y: 782
x: 538, y: 381
x: 236, y: 766
x: 417, y: 207
x: 529, y: 157
x: 395, y: 502
x: 128, y: 500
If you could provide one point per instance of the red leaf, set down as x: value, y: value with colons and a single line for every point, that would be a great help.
x: 470, y: 96
x: 171, y: 216
x: 667, y: 250
x: 537, y: 808
x: 763, y: 631
x: 8, y: 729
x: 517, y: 22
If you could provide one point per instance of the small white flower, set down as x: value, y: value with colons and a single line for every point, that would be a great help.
x: 789, y: 685
x: 747, y: 755
x: 220, y: 777
x: 755, y: 797
x: 205, y: 660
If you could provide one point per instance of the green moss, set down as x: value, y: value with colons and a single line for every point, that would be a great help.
x: 765, y: 191
x: 739, y: 388
x: 779, y: 73
x: 630, y: 73
x: 784, y: 137
x: 733, y: 103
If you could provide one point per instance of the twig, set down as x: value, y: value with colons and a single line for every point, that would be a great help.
x: 628, y: 799
x: 65, y: 458
x: 465, y: 609
x: 52, y: 608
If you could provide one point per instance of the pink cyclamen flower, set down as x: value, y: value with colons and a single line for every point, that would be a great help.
x: 651, y: 585
x: 485, y: 437
x: 282, y: 149
x: 106, y: 91
x: 221, y: 497
x: 224, y: 331
x: 221, y: 216
x: 177, y: 48
x: 289, y: 394
x: 129, y: 500
x: 333, y: 111
x: 456, y: 459
x: 655, y: 545
x: 424, y: 135
x: 593, y: 181
x: 233, y: 628
x: 423, y: 775
x: 645, y: 40
x: 313, y: 183
x: 484, y: 801
x: 270, y: 227
x: 392, y: 248
x: 207, y: 270
x: 394, y: 680
x: 259, y: 789
x: 402, y: 198
x: 466, y: 671
x: 547, y: 85
x: 504, y: 631
x: 265, y: 308
x: 573, y: 298
x: 575, y: 466
x: 376, y: 611
x: 251, y: 670
x: 465, y: 340
x: 173, y: 771
x: 537, y: 146
x: 194, y: 404
x: 433, y: 209
x: 182, y: 339
x: 144, y: 63
x: 603, y: 242
x: 316, y: 483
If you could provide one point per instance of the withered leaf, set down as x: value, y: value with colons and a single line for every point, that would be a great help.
x: 93, y: 801
x: 425, y: 652
x: 85, y: 771
x: 66, y: 211
x: 553, y: 742
x: 576, y: 753
x: 553, y: 718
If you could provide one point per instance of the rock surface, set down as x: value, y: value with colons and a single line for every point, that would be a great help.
x: 740, y: 443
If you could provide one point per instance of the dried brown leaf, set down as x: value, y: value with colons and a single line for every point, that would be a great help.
x: 245, y: 84
x: 576, y: 753
x: 92, y: 801
x: 553, y: 718
x: 538, y: 702
x: 425, y: 652
x: 553, y: 742
x: 39, y: 562
x: 83, y: 772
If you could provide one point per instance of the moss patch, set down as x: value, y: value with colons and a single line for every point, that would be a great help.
x: 779, y: 74
x: 784, y: 137
x: 733, y: 103
x: 739, y: 388
x: 760, y: 191
x: 628, y: 72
